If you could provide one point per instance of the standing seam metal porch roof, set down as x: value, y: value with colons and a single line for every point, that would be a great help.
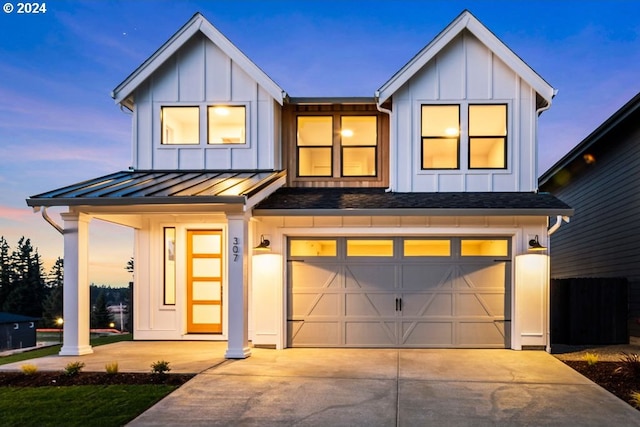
x: 161, y: 187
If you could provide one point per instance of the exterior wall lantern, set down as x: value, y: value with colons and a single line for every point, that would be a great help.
x: 534, y: 245
x: 263, y: 246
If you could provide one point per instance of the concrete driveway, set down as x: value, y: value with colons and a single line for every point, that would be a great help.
x: 358, y: 387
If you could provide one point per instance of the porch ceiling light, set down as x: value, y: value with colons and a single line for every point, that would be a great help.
x: 534, y: 245
x: 264, y: 245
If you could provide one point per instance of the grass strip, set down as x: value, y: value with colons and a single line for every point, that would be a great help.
x: 100, y: 405
x: 55, y: 349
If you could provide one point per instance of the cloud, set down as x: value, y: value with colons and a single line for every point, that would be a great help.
x: 15, y: 214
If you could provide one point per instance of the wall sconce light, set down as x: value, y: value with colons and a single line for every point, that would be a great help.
x: 264, y: 244
x: 534, y: 245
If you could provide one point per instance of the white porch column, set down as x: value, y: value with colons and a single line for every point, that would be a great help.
x: 238, y: 293
x: 76, y: 285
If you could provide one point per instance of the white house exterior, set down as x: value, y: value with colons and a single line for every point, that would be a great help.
x: 400, y: 220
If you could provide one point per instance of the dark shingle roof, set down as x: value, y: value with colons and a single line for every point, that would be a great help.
x: 364, y: 201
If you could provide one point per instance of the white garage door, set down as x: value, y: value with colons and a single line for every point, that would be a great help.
x: 399, y: 292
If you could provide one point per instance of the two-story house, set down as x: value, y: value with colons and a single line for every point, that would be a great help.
x: 408, y: 219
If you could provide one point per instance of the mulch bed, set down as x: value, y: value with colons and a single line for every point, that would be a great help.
x: 612, y: 376
x: 41, y: 379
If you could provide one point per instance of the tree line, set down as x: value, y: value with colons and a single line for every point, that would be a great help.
x: 27, y: 290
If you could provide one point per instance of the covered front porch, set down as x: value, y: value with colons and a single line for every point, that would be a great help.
x: 182, y: 301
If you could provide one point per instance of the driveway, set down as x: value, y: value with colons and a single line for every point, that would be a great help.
x: 358, y: 387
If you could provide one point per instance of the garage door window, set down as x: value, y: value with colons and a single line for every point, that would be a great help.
x: 313, y: 248
x: 427, y: 248
x: 378, y: 248
x: 478, y: 247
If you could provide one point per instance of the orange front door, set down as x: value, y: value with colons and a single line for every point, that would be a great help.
x: 204, y: 281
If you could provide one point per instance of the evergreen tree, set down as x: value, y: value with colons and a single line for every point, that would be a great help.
x: 100, y: 315
x: 26, y: 290
x: 5, y: 271
x: 52, y: 306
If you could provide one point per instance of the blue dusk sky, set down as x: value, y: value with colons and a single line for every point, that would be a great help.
x: 59, y: 125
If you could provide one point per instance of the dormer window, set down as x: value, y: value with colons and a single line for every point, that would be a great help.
x: 482, y: 136
x: 225, y: 124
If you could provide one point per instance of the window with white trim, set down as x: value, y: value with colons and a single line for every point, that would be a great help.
x: 225, y: 125
x: 480, y: 130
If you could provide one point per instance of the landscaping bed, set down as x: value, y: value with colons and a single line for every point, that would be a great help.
x: 42, y: 379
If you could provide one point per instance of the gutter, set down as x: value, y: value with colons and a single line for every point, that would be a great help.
x: 392, y: 152
x: 47, y: 218
x: 557, y: 224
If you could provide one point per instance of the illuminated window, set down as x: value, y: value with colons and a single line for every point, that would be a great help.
x: 227, y: 124
x: 377, y: 248
x: 481, y: 247
x: 440, y: 136
x: 315, y: 145
x: 312, y: 247
x: 169, y: 266
x: 487, y: 136
x: 427, y: 248
x: 180, y: 125
x: 352, y: 141
x: 359, y: 138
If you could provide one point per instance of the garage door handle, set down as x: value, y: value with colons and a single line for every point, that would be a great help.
x: 501, y: 260
x: 398, y: 304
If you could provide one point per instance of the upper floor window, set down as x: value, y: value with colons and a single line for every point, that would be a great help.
x: 227, y: 125
x: 485, y: 136
x: 181, y: 125
x: 351, y: 141
x: 440, y: 136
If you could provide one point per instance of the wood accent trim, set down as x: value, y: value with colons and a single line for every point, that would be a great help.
x: 289, y: 152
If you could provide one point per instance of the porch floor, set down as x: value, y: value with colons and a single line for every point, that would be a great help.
x: 190, y: 357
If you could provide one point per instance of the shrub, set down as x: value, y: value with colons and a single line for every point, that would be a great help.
x: 73, y: 368
x: 630, y: 365
x: 160, y: 367
x: 111, y: 368
x: 635, y: 399
x: 29, y: 369
x: 590, y: 358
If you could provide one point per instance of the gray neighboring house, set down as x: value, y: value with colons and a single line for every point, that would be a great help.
x: 600, y: 179
x: 17, y: 331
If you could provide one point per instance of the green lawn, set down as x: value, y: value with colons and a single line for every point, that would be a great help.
x: 102, y: 405
x: 55, y: 349
x: 109, y: 405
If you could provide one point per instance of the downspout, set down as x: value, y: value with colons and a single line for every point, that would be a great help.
x: 391, y: 146
x: 47, y: 218
x: 557, y: 224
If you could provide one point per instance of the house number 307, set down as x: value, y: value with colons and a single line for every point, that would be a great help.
x: 235, y: 249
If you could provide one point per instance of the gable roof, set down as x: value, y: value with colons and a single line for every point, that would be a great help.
x: 466, y: 21
x: 598, y: 138
x: 198, y: 23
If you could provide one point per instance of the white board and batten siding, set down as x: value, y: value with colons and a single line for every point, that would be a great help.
x: 469, y: 72
x: 201, y: 74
